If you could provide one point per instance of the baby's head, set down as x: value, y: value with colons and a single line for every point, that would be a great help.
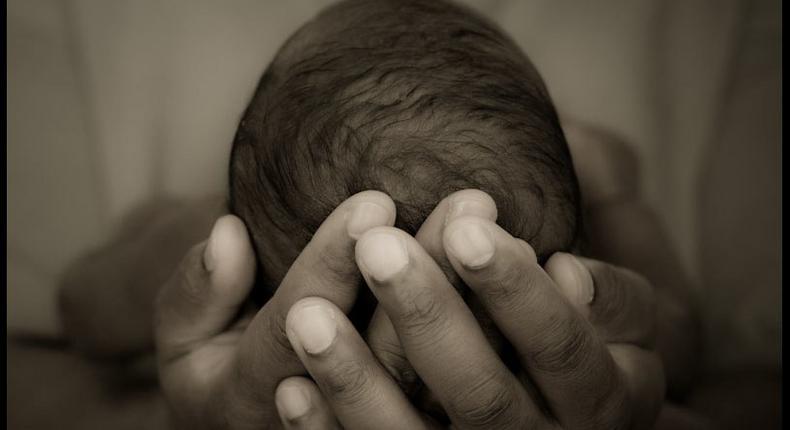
x: 417, y: 99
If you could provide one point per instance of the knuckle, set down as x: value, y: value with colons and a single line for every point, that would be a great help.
x: 504, y: 291
x: 337, y: 265
x: 336, y: 262
x: 509, y: 288
x: 348, y: 381
x: 424, y: 314
x: 564, y: 348
x: 322, y: 270
x: 486, y: 403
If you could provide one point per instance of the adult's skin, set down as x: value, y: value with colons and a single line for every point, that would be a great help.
x: 622, y: 315
x: 217, y: 375
x: 585, y: 383
x: 634, y: 381
x: 220, y: 373
x: 598, y: 174
x: 122, y: 277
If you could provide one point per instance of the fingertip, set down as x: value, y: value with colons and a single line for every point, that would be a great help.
x: 470, y: 241
x: 382, y: 253
x: 572, y: 279
x: 467, y: 202
x: 368, y: 209
x: 470, y: 202
x: 295, y: 398
x: 312, y: 325
x: 227, y: 235
x: 228, y: 257
x: 475, y: 243
x: 208, y: 288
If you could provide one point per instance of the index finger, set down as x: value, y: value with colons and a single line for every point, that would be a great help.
x: 558, y: 347
x: 325, y: 268
x: 381, y: 335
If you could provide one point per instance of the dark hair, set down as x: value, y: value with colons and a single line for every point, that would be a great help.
x: 414, y: 98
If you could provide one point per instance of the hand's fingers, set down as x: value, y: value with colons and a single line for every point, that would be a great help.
x: 325, y: 268
x: 302, y: 406
x: 619, y: 234
x: 618, y: 227
x: 381, y: 335
x: 385, y: 346
x: 644, y: 376
x: 206, y: 291
x: 360, y: 391
x: 559, y: 348
x: 618, y: 302
x: 468, y: 202
x: 631, y: 234
x: 440, y: 335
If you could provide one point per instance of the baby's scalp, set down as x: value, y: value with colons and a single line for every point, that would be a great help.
x: 417, y: 99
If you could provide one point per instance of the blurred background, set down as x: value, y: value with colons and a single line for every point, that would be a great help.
x: 113, y: 103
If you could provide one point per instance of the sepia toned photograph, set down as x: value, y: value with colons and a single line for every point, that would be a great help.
x: 393, y: 214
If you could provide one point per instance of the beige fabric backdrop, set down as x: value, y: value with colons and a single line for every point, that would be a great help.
x: 113, y: 102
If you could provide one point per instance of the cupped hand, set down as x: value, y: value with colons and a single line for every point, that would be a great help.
x: 582, y: 331
x: 219, y: 364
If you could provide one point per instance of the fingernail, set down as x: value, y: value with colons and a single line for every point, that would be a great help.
x: 365, y: 216
x: 383, y: 255
x: 314, y: 327
x: 572, y: 278
x: 209, y: 254
x: 464, y: 205
x: 472, y: 244
x: 293, y: 402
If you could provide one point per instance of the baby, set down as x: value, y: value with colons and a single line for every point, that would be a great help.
x: 417, y: 99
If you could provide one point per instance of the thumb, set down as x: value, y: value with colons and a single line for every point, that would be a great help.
x: 207, y: 290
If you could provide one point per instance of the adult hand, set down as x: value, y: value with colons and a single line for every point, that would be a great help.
x: 608, y: 174
x: 382, y: 340
x: 587, y: 379
x: 220, y: 371
x: 618, y: 224
x: 623, y: 230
